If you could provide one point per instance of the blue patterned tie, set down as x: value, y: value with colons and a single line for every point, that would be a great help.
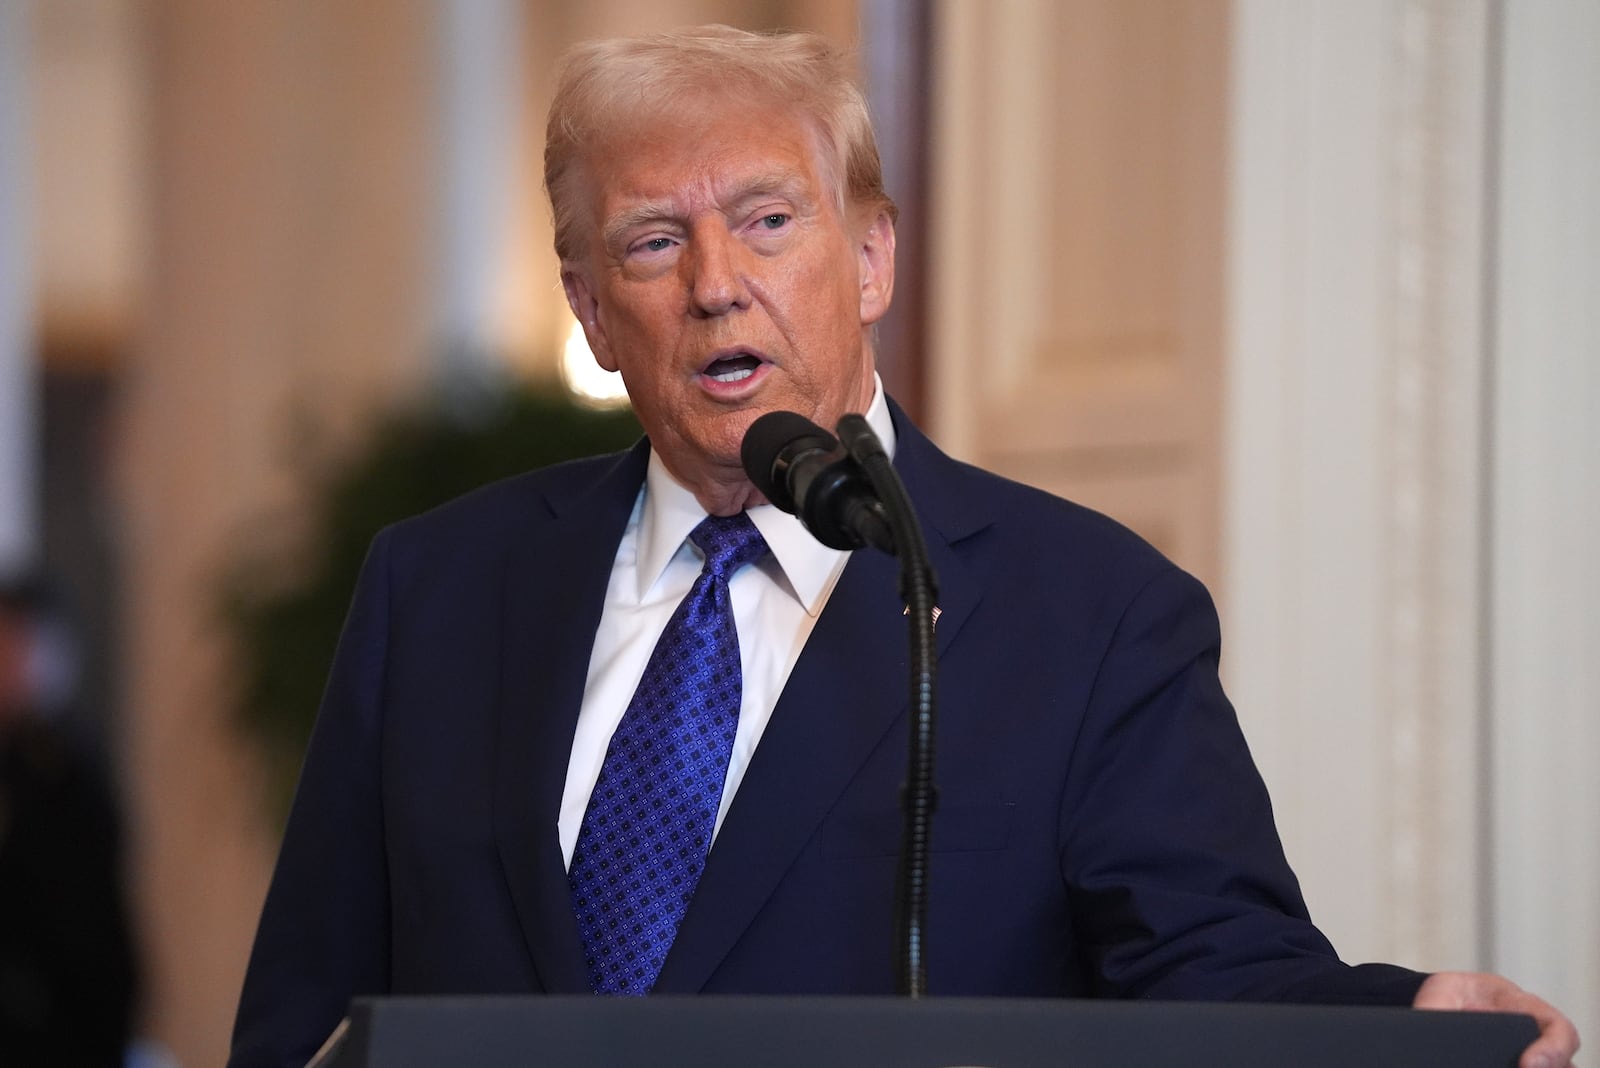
x: 645, y: 834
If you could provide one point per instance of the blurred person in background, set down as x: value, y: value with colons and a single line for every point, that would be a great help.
x: 67, y: 969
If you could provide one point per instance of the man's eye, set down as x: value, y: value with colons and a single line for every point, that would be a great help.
x: 775, y: 221
x: 657, y: 244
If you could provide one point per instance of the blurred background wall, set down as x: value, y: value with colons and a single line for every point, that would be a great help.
x: 1302, y: 291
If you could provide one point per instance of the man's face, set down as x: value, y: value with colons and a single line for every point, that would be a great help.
x: 721, y: 280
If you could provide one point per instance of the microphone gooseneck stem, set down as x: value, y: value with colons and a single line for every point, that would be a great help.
x: 919, y: 589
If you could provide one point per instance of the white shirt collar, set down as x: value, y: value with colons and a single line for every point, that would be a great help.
x: 671, y: 512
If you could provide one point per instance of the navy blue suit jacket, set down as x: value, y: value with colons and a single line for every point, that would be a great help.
x: 1102, y: 830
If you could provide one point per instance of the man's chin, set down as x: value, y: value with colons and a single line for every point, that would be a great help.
x: 711, y: 453
x: 723, y: 442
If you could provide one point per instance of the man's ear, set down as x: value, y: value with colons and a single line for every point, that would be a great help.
x: 877, y: 267
x: 580, y: 298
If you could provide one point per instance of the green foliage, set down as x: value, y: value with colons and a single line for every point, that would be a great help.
x: 284, y: 611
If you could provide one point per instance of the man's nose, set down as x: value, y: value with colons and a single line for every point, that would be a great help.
x: 716, y: 281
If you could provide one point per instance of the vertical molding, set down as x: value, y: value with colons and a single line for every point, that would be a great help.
x: 896, y: 49
x: 1432, y: 623
x: 955, y: 198
x: 479, y: 90
x: 1308, y: 218
x: 983, y: 341
x: 1351, y: 487
x: 1545, y: 714
x: 18, y: 393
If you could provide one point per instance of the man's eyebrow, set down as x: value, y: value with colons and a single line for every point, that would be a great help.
x: 629, y: 218
x: 783, y: 184
x: 766, y: 184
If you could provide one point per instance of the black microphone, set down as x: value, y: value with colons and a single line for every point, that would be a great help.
x: 847, y: 496
x: 803, y: 469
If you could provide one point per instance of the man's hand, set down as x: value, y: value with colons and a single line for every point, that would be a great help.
x: 1477, y: 992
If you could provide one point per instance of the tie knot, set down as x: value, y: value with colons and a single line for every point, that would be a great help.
x: 729, y: 542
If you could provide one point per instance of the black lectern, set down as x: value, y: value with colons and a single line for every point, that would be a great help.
x: 705, y: 1032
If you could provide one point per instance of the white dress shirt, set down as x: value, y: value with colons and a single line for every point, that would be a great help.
x: 776, y: 602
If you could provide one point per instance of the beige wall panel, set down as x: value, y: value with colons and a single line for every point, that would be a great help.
x: 1147, y: 492
x: 288, y: 209
x: 1077, y: 292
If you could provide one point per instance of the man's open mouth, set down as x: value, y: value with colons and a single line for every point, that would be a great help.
x: 734, y: 368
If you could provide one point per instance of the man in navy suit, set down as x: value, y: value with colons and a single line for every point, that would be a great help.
x: 727, y: 244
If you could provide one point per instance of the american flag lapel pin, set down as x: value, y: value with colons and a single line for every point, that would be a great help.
x: 937, y: 612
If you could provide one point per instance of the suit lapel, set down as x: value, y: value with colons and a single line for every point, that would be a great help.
x: 847, y: 690
x: 554, y: 591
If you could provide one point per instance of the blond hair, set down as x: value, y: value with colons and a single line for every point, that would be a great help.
x: 605, y: 86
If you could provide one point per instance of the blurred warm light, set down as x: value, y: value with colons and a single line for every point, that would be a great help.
x: 587, y: 380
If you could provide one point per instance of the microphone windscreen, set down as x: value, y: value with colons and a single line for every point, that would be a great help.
x: 775, y: 437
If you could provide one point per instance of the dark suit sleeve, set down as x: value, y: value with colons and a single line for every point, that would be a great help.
x: 1177, y: 878
x: 324, y: 933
